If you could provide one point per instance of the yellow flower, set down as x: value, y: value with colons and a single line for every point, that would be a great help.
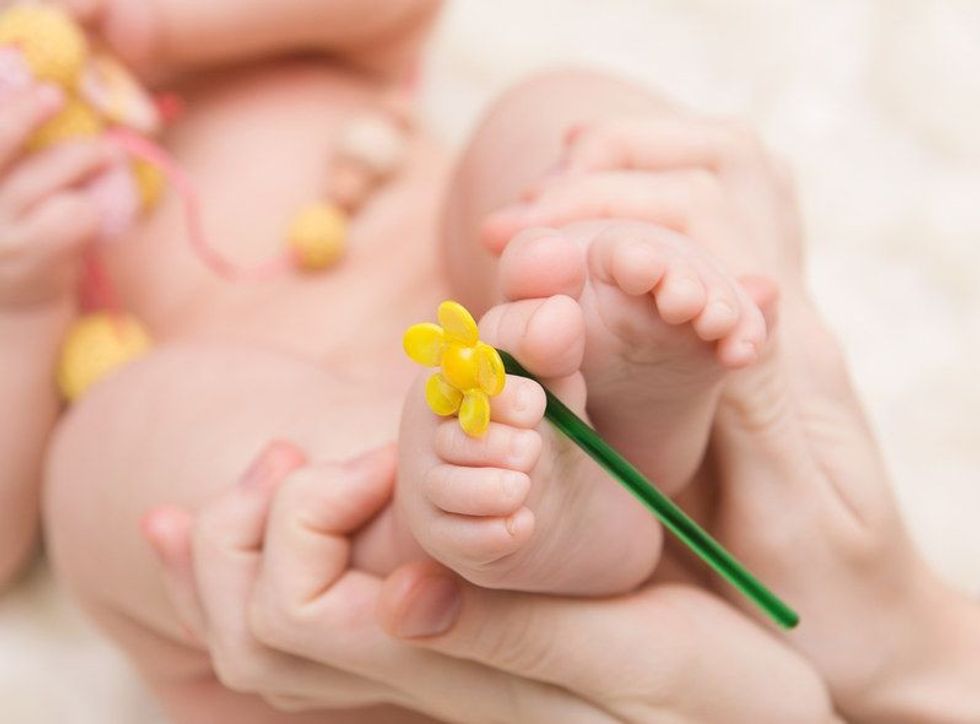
x: 471, y: 371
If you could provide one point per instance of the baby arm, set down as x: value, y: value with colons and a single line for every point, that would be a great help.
x: 179, y: 34
x: 44, y: 222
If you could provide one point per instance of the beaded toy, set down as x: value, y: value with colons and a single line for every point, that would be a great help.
x: 472, y: 371
x: 41, y: 44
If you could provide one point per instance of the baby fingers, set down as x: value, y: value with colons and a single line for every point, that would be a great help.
x: 23, y: 112
x: 49, y: 172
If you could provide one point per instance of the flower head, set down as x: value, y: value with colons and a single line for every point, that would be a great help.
x: 471, y: 371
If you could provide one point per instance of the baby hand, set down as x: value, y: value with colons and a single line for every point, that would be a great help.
x: 129, y: 27
x: 45, y: 217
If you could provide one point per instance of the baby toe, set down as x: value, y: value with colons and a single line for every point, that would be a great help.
x: 469, y: 544
x: 475, y: 491
x: 520, y: 404
x: 742, y: 345
x: 631, y: 257
x: 719, y: 316
x: 502, y: 446
x: 681, y: 294
x: 547, y: 336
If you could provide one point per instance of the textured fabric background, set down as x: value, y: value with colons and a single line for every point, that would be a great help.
x: 876, y: 103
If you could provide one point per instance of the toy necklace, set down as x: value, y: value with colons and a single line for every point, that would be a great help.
x: 40, y: 43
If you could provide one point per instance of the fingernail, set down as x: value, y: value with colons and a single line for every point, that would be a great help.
x: 278, y: 459
x: 433, y: 610
x: 49, y: 97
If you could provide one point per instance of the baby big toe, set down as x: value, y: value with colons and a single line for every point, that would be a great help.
x: 546, y: 335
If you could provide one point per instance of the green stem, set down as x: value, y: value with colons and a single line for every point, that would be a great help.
x: 673, y: 518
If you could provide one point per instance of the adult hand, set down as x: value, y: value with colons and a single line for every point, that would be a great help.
x: 795, y: 485
x: 262, y: 577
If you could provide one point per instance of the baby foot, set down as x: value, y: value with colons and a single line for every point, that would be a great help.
x: 522, y: 508
x: 663, y: 323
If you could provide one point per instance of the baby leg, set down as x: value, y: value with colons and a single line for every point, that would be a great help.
x: 519, y: 140
x: 176, y: 428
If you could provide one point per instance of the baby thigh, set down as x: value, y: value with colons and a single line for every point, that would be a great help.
x: 175, y: 428
x: 519, y: 139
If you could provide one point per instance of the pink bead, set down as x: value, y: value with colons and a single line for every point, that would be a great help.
x: 115, y: 193
x: 15, y: 74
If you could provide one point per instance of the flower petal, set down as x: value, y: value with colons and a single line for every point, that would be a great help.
x: 458, y: 323
x: 474, y: 413
x: 443, y: 398
x: 424, y: 343
x: 489, y: 369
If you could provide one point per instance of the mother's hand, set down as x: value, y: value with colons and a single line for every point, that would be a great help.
x: 262, y: 577
x: 795, y: 485
x: 667, y: 653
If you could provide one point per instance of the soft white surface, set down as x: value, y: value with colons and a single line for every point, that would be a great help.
x: 876, y: 103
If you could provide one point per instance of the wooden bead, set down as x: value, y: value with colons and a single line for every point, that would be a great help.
x: 97, y: 345
x: 375, y: 142
x: 350, y: 184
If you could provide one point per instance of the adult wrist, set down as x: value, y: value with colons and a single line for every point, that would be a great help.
x: 940, y: 681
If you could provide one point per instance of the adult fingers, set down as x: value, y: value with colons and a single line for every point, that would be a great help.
x: 661, y: 142
x: 643, y: 657
x: 226, y: 543
x: 306, y: 544
x: 168, y: 530
x: 309, y: 603
x: 691, y: 201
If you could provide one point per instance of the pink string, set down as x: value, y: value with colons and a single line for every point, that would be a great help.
x: 98, y: 291
x: 146, y: 150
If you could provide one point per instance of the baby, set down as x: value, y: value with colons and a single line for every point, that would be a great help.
x: 631, y: 323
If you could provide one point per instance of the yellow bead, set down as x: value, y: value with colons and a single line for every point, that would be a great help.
x: 474, y: 413
x: 459, y: 365
x: 53, y: 45
x: 149, y: 182
x: 96, y: 345
x: 458, y: 323
x: 442, y: 397
x: 317, y: 236
x: 424, y: 343
x: 75, y: 120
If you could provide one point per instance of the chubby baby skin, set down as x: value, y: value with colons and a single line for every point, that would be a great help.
x: 236, y: 113
x: 317, y: 359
